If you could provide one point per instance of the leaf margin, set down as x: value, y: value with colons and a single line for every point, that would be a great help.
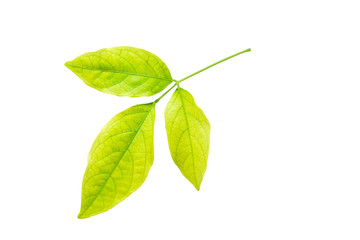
x: 179, y: 92
x: 164, y: 81
x: 83, y: 213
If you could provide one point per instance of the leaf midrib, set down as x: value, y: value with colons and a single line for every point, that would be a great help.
x: 192, y: 151
x: 115, y: 71
x: 126, y: 149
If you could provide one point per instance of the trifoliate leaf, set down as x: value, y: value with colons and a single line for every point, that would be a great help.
x: 119, y: 160
x: 188, y: 132
x: 122, y: 71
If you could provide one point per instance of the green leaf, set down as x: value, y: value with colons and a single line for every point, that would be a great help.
x: 122, y: 71
x: 119, y: 160
x: 188, y: 132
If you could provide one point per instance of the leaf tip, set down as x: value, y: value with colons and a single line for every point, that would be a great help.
x: 81, y: 215
x: 196, y: 185
x: 67, y: 64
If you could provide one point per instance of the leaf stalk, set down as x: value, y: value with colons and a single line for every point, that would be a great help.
x: 223, y: 60
x: 166, y: 91
x: 216, y: 63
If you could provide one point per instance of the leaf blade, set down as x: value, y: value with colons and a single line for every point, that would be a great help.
x: 122, y: 71
x: 119, y: 160
x: 188, y: 132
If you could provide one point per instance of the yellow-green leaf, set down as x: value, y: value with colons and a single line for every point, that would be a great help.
x: 188, y: 132
x: 122, y: 71
x: 119, y: 159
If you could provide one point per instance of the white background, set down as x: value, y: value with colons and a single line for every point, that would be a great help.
x: 284, y: 159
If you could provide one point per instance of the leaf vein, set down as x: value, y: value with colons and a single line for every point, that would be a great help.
x: 126, y: 149
x: 121, y: 72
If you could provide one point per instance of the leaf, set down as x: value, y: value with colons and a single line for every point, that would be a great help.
x: 188, y: 132
x: 119, y: 159
x: 122, y: 71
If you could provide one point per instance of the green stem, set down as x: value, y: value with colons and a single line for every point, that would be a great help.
x: 177, y: 82
x: 166, y: 92
x: 223, y: 60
